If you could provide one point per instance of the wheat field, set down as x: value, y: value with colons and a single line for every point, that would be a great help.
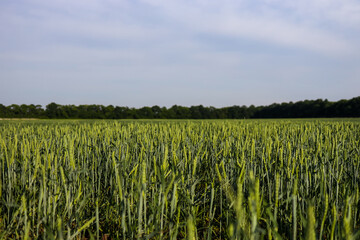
x: 163, y: 179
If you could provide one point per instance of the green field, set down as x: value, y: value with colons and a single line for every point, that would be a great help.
x: 168, y: 179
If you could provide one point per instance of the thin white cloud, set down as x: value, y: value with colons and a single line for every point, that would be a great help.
x: 345, y: 12
x: 267, y: 21
x: 283, y: 33
x: 146, y: 51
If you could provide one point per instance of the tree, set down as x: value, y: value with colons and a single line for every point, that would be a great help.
x: 145, y: 112
x: 3, y: 111
x: 53, y: 110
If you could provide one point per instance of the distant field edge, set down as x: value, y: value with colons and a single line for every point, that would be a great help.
x: 175, y: 119
x: 21, y: 119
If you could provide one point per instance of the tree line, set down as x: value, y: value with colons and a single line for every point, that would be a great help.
x: 302, y: 109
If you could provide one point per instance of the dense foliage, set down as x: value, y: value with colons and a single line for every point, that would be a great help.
x: 247, y: 179
x: 303, y: 109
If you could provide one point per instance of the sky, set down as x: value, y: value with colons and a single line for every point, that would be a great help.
x: 186, y: 52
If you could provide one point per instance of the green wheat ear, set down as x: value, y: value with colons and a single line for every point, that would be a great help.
x: 325, y: 214
x: 347, y: 219
x: 191, y: 228
x: 310, y: 225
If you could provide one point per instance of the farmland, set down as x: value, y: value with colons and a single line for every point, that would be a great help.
x: 168, y: 179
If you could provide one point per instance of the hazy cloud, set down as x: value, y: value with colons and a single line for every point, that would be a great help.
x: 149, y: 52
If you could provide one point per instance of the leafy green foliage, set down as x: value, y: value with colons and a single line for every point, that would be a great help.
x: 302, y: 109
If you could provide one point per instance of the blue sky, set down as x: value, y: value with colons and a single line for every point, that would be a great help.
x: 187, y: 52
